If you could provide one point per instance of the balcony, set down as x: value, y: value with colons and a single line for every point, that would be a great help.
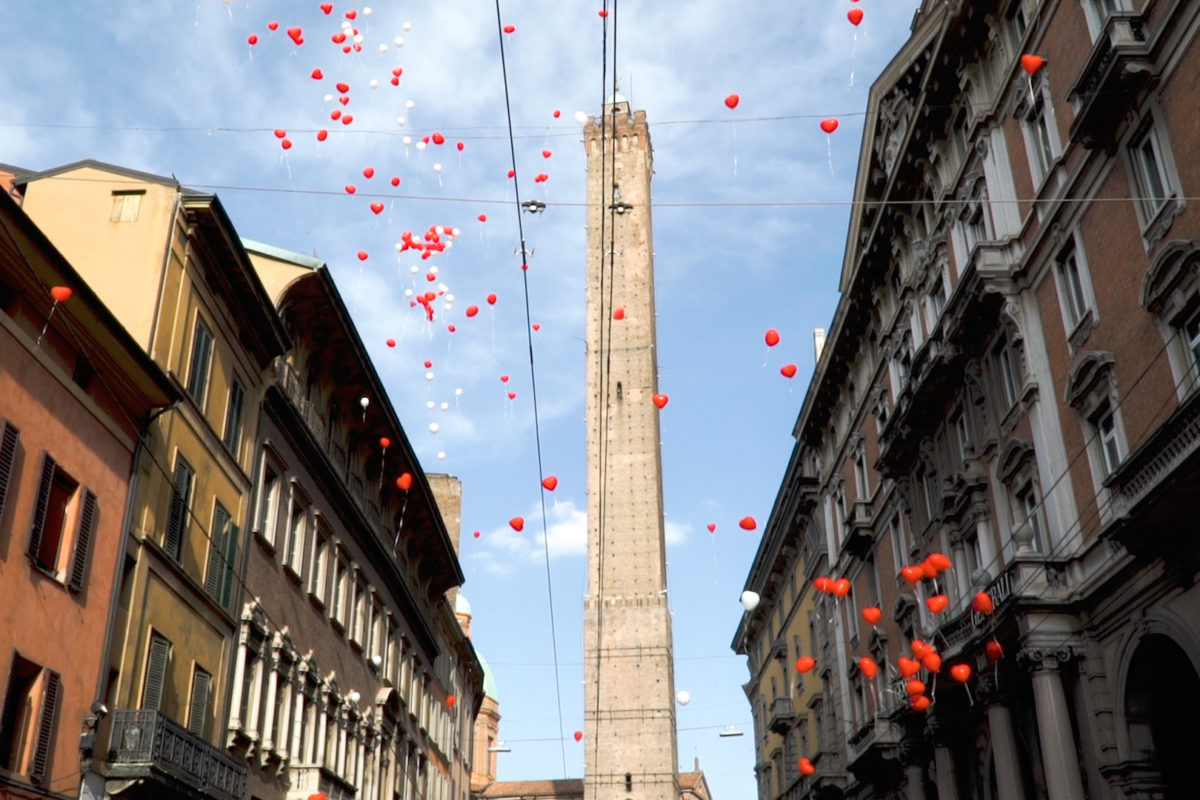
x: 309, y: 779
x: 875, y: 748
x: 960, y: 630
x: 860, y: 538
x: 783, y: 715
x: 152, y: 749
x: 1118, y: 68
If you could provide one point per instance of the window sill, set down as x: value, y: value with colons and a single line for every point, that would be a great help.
x: 1079, y: 335
x: 52, y: 575
x: 291, y: 573
x: 1159, y: 225
x: 264, y: 542
x: 317, y: 602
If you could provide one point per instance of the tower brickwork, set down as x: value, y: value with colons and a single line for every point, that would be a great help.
x: 628, y: 670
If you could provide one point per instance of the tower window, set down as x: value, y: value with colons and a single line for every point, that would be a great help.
x: 629, y: 781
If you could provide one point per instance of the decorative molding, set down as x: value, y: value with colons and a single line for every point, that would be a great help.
x: 1046, y: 659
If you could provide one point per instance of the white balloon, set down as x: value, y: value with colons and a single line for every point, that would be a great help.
x: 448, y: 306
x: 346, y: 25
x: 364, y: 402
x: 430, y: 405
x: 433, y: 270
x: 358, y: 38
x: 449, y: 244
x: 410, y: 105
x: 383, y: 48
x: 450, y: 298
x: 408, y: 292
x: 407, y: 140
x: 421, y: 145
x: 328, y: 98
x: 398, y: 41
x: 434, y: 427
x: 407, y: 26
x: 684, y: 697
x: 441, y: 455
x: 367, y: 11
x: 750, y: 600
x: 438, y: 168
x: 445, y: 406
x: 581, y: 117
x: 374, y: 84
x: 428, y: 376
x: 458, y: 392
x: 441, y: 287
x: 439, y: 230
x: 414, y: 269
x: 456, y: 232
x: 401, y: 121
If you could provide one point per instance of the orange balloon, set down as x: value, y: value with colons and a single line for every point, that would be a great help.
x: 823, y: 585
x: 732, y: 100
x: 806, y: 767
x: 919, y: 648
x: 932, y: 661
x: 517, y: 523
x: 550, y: 482
x: 939, y: 561
x: 908, y: 667
x: 61, y: 294
x: 1031, y: 63
x: 829, y: 125
x: 961, y: 672
x: 772, y: 337
x: 920, y: 703
x: 385, y: 442
x: 788, y: 370
x: 450, y: 701
x: 660, y: 400
x: 983, y: 603
x: 745, y: 523
x: 869, y: 668
x: 912, y: 575
x: 404, y: 482
x: 938, y: 603
x: 872, y: 615
x: 841, y: 587
x: 855, y: 15
x: 805, y: 664
x: 578, y: 736
x: 914, y: 687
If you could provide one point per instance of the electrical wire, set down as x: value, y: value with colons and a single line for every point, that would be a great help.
x: 537, y: 428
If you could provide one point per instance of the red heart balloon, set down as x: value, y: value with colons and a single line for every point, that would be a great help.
x: 368, y: 172
x: 961, y: 672
x: 61, y: 294
x: 805, y: 664
x: 914, y: 687
x: 512, y: 395
x: 841, y: 587
x: 322, y: 135
x: 385, y: 442
x: 460, y: 146
x: 295, y: 33
x: 512, y: 173
x: 823, y: 584
x: 920, y: 649
x: 908, y: 666
x: 491, y: 298
x: 732, y: 100
x: 327, y: 7
x: 660, y: 400
x: 550, y: 482
x: 472, y: 310
x: 911, y: 575
x: 772, y: 337
x: 938, y: 603
x: 335, y: 114
x: 395, y: 180
x: 546, y: 154
x: 868, y: 667
x: 618, y: 314
x: 450, y: 701
x: 438, y: 138
x: 377, y: 207
x: 939, y: 561
x: 983, y: 603
x: 273, y: 25
x: 855, y: 15
x: 280, y: 133
x: 342, y: 88
x: 806, y: 766
x: 872, y: 615
x: 829, y: 125
x: 712, y: 527
x: 788, y: 370
x: 1031, y: 63
x: 510, y: 28
x: 286, y: 144
x: 317, y: 74
x: 745, y: 523
x: 557, y: 113
x: 252, y: 38
x: 362, y: 255
x: 537, y: 327
x: 350, y: 188
x: 347, y: 119
x: 351, y: 14
x: 404, y: 482
x: 504, y: 379
x: 475, y: 534
x: 932, y: 662
x: 338, y: 37
x: 994, y: 651
x: 920, y: 702
x: 578, y: 735
x: 517, y: 523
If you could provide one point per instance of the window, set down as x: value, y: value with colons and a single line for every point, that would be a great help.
x: 296, y: 535
x: 158, y: 657
x: 338, y: 610
x: 972, y: 552
x: 181, y: 500
x: 126, y: 205
x: 1098, y: 12
x: 233, y: 418
x: 1151, y: 172
x: 977, y: 219
x: 57, y: 511
x: 1007, y: 359
x: 1016, y: 21
x: 202, y: 341
x: 198, y: 705
x: 929, y: 492
x: 27, y: 725
x: 900, y: 547
x: 1028, y: 512
x: 937, y: 301
x: 1191, y: 334
x: 1105, y: 423
x: 10, y: 435
x: 318, y: 573
x: 962, y: 435
x: 1041, y: 139
x: 1071, y: 292
x: 270, y: 483
x: 222, y: 558
x: 862, y: 485
x: 873, y: 591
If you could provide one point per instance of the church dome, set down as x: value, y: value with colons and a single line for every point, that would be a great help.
x: 461, y: 606
x: 489, y: 682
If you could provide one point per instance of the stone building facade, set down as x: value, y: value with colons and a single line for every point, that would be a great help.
x: 1012, y: 380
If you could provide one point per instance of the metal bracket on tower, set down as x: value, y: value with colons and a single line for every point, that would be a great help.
x: 621, y: 207
x: 533, y: 206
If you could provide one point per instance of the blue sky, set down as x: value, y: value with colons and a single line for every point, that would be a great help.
x: 174, y: 88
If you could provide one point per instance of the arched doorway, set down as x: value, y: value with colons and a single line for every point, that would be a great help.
x: 1162, y: 705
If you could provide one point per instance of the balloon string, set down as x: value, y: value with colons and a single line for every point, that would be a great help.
x: 49, y: 317
x: 829, y: 152
x: 853, y: 54
x: 734, y: 149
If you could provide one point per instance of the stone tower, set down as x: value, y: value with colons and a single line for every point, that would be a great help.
x: 628, y: 668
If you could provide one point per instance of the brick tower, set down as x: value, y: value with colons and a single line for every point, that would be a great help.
x: 628, y: 668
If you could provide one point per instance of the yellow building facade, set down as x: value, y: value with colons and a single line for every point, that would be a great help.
x: 170, y: 266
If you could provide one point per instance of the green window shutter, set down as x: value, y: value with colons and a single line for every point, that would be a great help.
x: 8, y: 454
x: 156, y: 671
x: 230, y: 572
x: 233, y: 418
x: 39, y: 508
x: 83, y: 540
x: 201, y: 356
x: 216, y: 552
x: 45, y: 733
x: 198, y: 707
x: 177, y: 518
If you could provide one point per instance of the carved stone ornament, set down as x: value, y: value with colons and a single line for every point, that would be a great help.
x: 1039, y: 658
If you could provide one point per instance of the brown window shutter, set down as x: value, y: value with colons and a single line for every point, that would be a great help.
x: 83, y: 540
x: 45, y: 734
x: 8, y: 454
x: 156, y: 672
x: 39, y: 508
x: 198, y: 707
x: 216, y: 552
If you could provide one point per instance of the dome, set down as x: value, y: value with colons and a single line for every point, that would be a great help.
x: 489, y: 683
x: 461, y: 606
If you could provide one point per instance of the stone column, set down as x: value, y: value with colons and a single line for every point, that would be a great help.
x: 299, y: 721
x: 1060, y: 758
x: 239, y: 678
x: 322, y: 724
x: 1009, y: 784
x: 268, y: 728
x: 940, y: 733
x: 914, y: 755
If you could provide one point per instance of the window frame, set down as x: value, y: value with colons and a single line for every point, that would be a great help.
x: 199, y: 374
x: 234, y: 417
x: 1039, y: 128
x: 179, y: 511
x: 1151, y: 208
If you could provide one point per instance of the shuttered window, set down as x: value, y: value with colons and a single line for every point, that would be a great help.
x: 8, y: 453
x: 216, y: 552
x: 40, y: 507
x: 198, y: 706
x: 229, y: 571
x: 45, y: 734
x: 156, y: 671
x: 233, y: 417
x: 181, y: 498
x: 88, y: 515
x: 202, y: 341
